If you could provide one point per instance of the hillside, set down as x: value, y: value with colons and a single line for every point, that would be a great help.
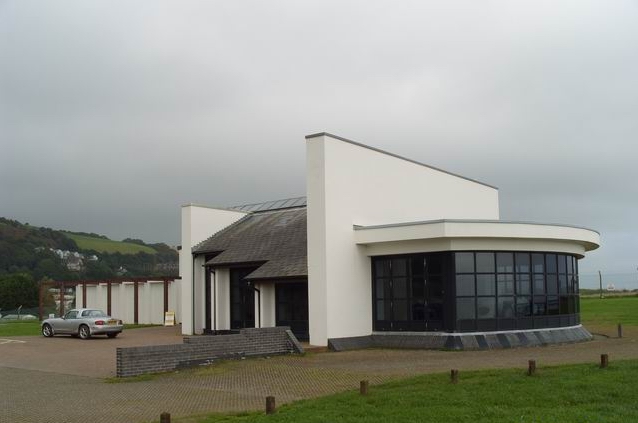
x: 63, y: 255
x: 101, y: 245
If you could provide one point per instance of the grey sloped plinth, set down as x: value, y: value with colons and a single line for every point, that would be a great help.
x: 463, y: 341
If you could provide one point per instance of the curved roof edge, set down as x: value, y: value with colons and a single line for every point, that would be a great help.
x: 475, y: 229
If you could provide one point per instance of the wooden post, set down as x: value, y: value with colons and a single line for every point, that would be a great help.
x: 363, y: 387
x: 108, y: 297
x: 83, y: 294
x: 270, y: 405
x: 604, y: 361
x: 600, y: 281
x: 454, y: 376
x: 165, y: 418
x: 136, y: 300
x: 531, y: 368
x: 620, y: 330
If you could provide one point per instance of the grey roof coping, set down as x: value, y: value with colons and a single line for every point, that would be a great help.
x: 428, y: 222
x: 320, y: 134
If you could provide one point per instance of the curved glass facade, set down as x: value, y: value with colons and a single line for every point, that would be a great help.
x: 469, y: 291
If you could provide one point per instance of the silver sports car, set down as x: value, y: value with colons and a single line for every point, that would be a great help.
x: 83, y: 322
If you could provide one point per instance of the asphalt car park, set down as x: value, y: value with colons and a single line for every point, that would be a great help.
x: 93, y: 357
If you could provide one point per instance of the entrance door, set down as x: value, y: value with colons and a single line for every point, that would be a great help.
x: 292, y: 307
x: 242, y: 299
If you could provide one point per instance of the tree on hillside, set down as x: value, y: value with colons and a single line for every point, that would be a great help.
x: 18, y: 290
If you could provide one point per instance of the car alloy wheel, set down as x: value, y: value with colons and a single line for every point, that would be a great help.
x: 47, y: 330
x: 84, y: 332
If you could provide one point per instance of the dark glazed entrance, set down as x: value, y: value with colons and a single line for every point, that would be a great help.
x: 242, y: 299
x: 292, y: 307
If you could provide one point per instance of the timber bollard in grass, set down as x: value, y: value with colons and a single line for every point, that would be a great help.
x: 620, y: 330
x: 604, y: 361
x: 363, y: 387
x: 454, y: 376
x: 270, y: 405
x: 165, y: 418
x: 531, y: 368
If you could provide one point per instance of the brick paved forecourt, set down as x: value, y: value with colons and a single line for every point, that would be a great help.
x: 28, y: 395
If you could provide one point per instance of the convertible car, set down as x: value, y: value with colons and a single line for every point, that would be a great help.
x: 83, y: 322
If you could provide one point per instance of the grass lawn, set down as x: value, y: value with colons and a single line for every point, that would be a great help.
x: 609, y: 310
x: 32, y: 328
x: 108, y: 246
x: 565, y: 394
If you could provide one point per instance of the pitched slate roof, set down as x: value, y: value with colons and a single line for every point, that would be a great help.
x: 276, y: 238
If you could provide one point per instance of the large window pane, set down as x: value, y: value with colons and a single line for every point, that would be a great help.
x: 539, y: 284
x: 505, y: 307
x: 465, y: 285
x: 538, y: 263
x: 418, y: 309
x: 550, y: 262
x: 417, y: 265
x: 552, y: 284
x: 434, y: 288
x: 399, y: 267
x: 562, y: 283
x: 383, y: 288
x: 562, y: 266
x: 485, y: 285
x: 485, y: 262
x: 522, y: 262
x: 382, y: 268
x: 539, y: 306
x: 523, y: 306
x: 465, y: 309
x: 505, y: 284
x: 434, y: 264
x: 400, y: 309
x: 552, y: 305
x: 485, y: 308
x: 464, y: 262
x: 523, y: 285
x: 400, y: 287
x: 418, y: 287
x: 505, y: 262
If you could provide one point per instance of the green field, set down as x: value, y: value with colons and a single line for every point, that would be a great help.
x: 565, y: 394
x: 609, y: 310
x: 108, y: 246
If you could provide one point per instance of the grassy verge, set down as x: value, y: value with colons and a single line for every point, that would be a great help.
x: 609, y: 311
x: 566, y: 394
x: 32, y: 328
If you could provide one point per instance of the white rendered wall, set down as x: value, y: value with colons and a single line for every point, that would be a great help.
x: 198, y: 224
x: 222, y: 307
x: 267, y: 293
x: 348, y: 185
x: 150, y: 296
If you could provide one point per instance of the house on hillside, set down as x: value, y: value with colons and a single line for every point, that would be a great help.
x: 382, y: 250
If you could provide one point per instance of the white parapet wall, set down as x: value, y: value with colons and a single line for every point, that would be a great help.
x: 150, y: 300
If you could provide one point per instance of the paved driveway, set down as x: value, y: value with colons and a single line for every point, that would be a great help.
x: 74, y: 356
x: 51, y: 395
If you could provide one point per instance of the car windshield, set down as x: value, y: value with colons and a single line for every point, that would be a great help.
x: 94, y: 313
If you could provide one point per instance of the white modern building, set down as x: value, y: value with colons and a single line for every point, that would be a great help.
x: 381, y: 246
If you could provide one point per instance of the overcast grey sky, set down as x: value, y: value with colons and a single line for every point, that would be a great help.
x: 114, y: 113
